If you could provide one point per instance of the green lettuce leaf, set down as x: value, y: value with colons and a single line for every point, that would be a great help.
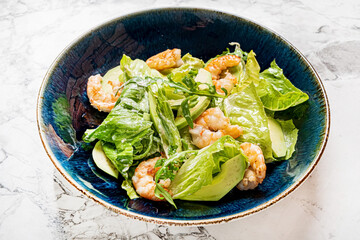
x: 193, y: 105
x: 121, y: 158
x: 244, y: 108
x: 129, y: 188
x: 185, y: 111
x: 137, y: 68
x: 276, y: 91
x: 163, y: 118
x: 126, y: 133
x: 200, y: 170
x: 168, y: 170
x: 189, y: 86
x: 127, y: 130
x: 190, y: 63
x: 186, y: 139
x: 290, y: 137
x: 252, y: 70
x: 127, y: 183
x: 131, y: 110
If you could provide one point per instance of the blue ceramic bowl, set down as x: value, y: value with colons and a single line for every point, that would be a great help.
x: 64, y: 113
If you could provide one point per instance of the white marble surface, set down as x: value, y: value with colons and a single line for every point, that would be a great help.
x: 36, y: 202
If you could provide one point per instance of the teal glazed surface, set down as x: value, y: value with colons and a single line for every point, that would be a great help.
x: 64, y: 112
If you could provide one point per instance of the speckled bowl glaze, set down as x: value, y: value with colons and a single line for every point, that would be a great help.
x: 64, y: 113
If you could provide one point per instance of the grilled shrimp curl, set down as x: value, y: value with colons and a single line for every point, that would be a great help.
x: 212, y: 125
x: 165, y: 60
x: 256, y: 172
x: 99, y: 98
x: 222, y: 78
x: 143, y: 179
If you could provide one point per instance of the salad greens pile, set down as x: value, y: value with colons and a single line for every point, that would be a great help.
x: 155, y: 110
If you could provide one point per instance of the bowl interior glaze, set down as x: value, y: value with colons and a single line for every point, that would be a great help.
x: 64, y: 112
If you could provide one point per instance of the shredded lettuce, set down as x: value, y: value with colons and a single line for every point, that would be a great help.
x: 276, y: 91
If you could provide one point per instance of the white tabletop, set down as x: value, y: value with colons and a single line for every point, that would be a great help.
x: 36, y: 202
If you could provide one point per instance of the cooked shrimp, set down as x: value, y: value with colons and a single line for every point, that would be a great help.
x: 219, y: 65
x: 143, y: 179
x: 228, y: 82
x: 216, y: 66
x: 212, y: 125
x: 256, y: 172
x: 99, y: 98
x: 165, y: 60
x: 202, y: 137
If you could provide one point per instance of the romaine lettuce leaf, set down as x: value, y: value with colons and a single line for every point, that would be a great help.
x: 126, y: 133
x: 245, y: 109
x: 121, y: 158
x: 192, y: 106
x: 163, y: 118
x: 127, y: 183
x: 129, y: 121
x: 276, y: 91
x: 177, y: 74
x: 168, y: 169
x: 129, y: 188
x: 199, y: 170
x: 189, y: 86
x: 190, y: 63
x: 137, y: 68
x: 186, y: 139
x: 290, y: 137
x: 252, y: 70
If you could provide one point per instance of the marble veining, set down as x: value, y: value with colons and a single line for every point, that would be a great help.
x: 36, y: 202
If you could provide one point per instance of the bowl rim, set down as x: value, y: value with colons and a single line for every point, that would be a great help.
x: 170, y: 222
